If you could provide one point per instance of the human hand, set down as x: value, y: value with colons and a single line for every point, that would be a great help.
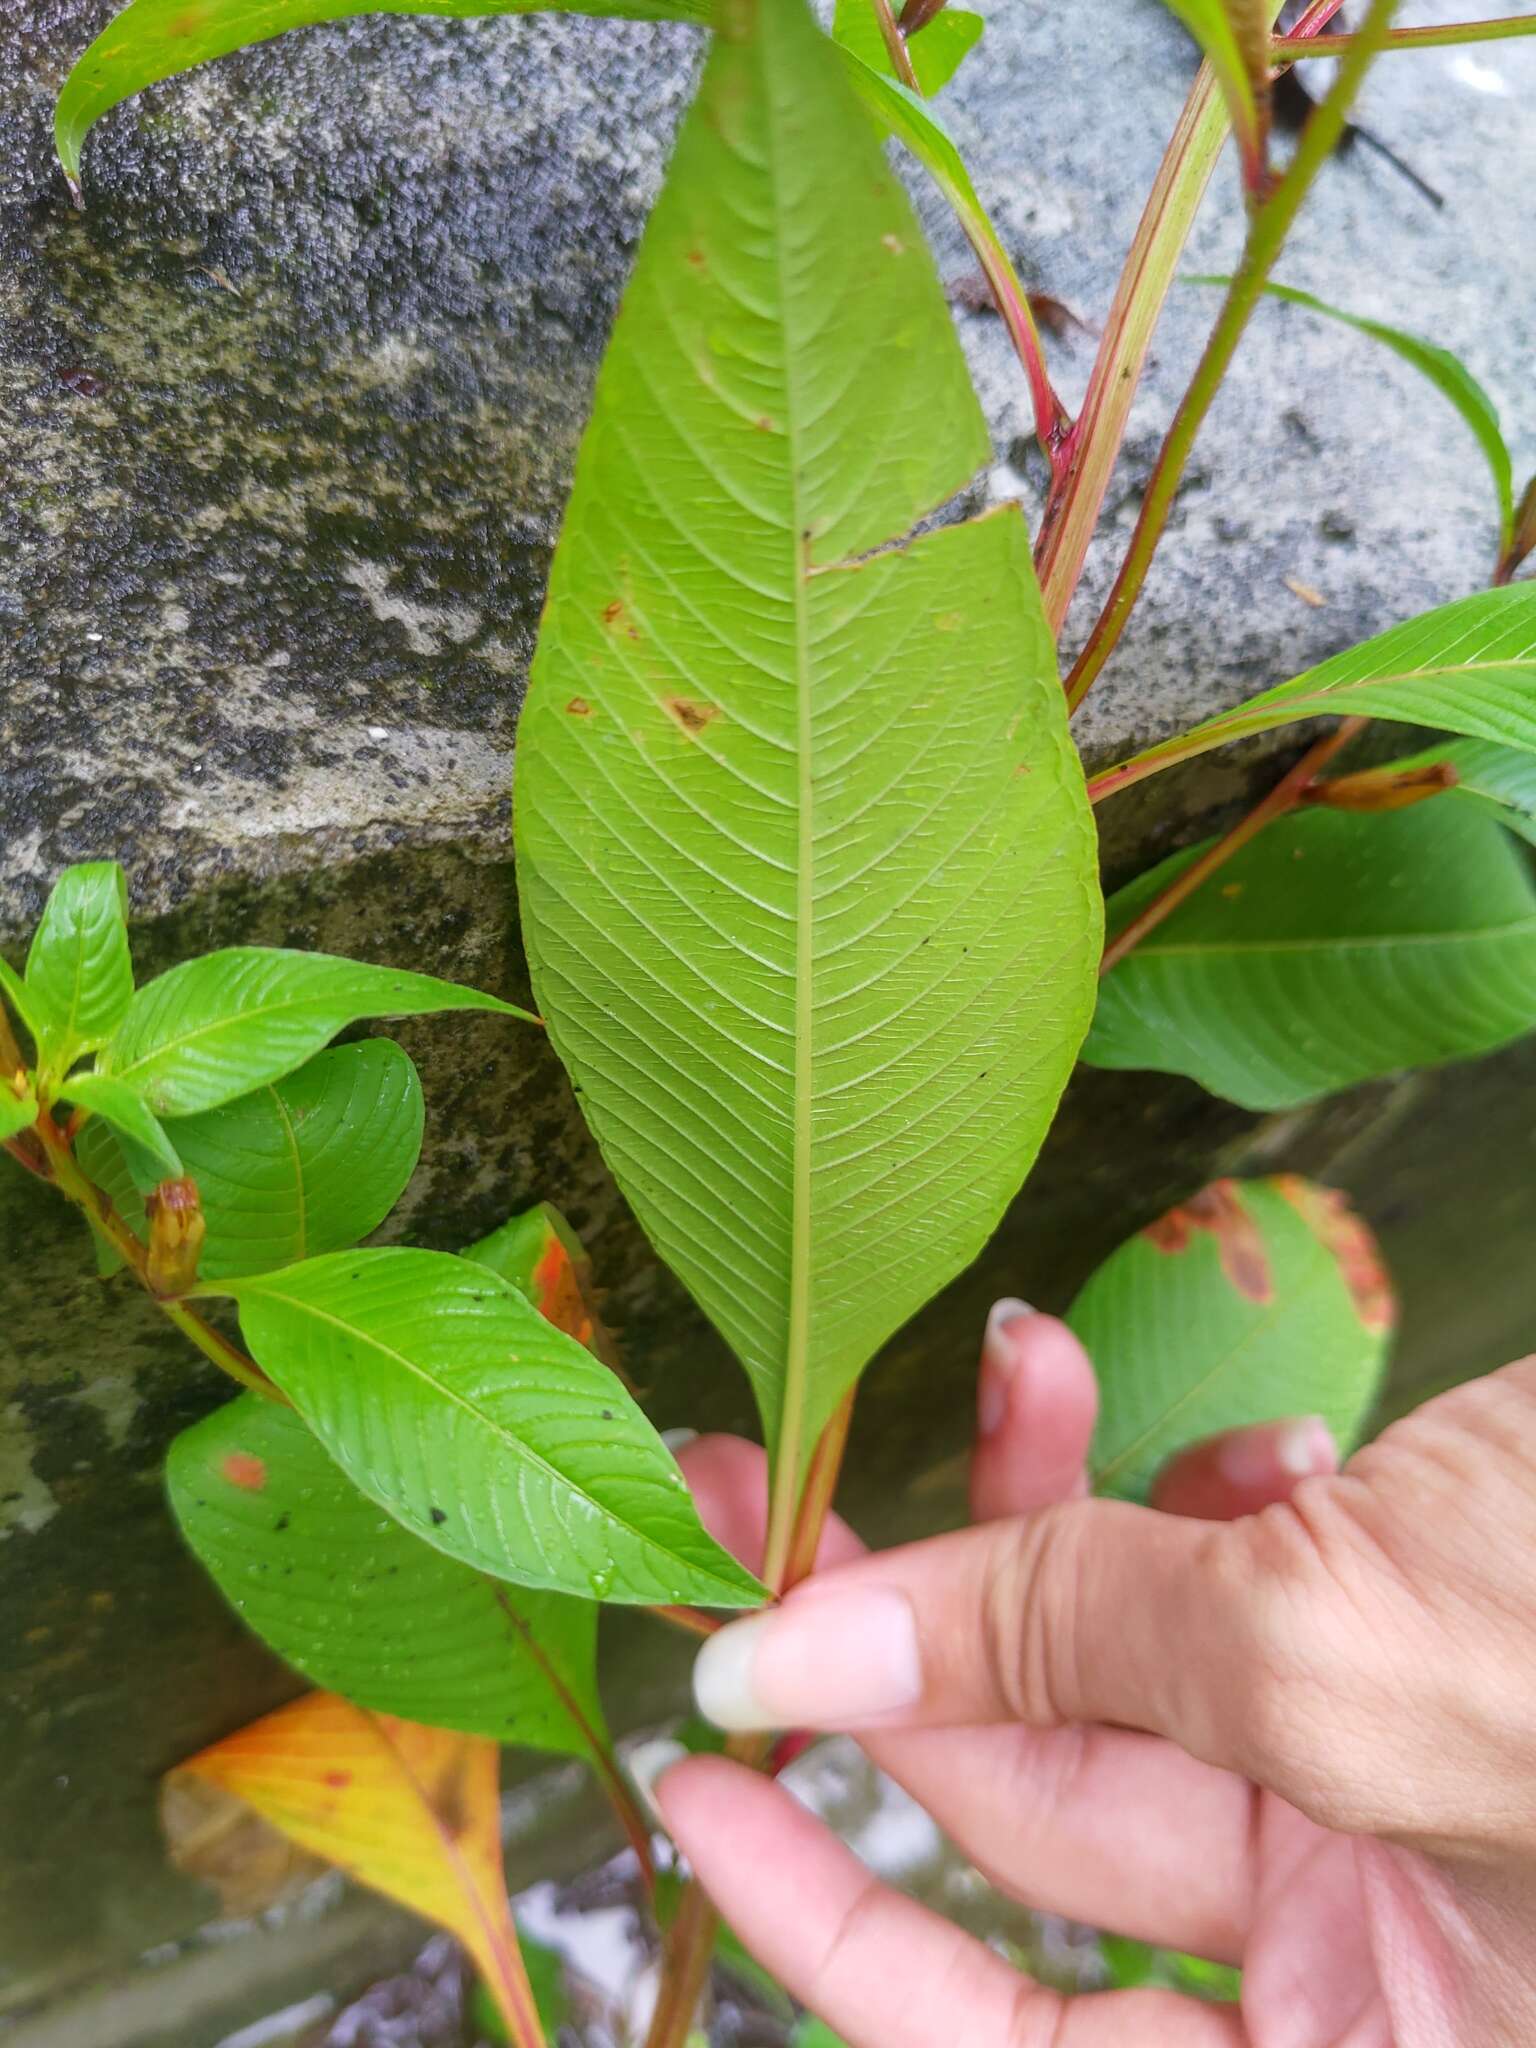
x: 1303, y: 1741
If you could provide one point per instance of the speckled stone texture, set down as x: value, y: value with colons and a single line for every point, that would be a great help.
x: 286, y: 422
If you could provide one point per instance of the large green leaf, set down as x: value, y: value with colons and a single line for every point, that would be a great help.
x: 1255, y: 1301
x: 126, y: 1111
x: 363, y: 1607
x: 1334, y: 948
x: 307, y: 1165
x: 1499, y: 781
x: 220, y: 1026
x: 936, y: 53
x: 79, y: 973
x: 1447, y: 372
x: 155, y: 39
x: 804, y: 861
x: 448, y: 1399
x: 1469, y: 667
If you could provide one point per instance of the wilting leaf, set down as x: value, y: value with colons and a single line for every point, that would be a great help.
x: 18, y: 1105
x: 79, y: 973
x: 1469, y: 667
x: 222, y: 1025
x: 1499, y: 781
x: 155, y: 39
x: 540, y: 1255
x: 412, y: 1812
x: 1447, y: 372
x: 1255, y: 1301
x: 1234, y: 34
x: 805, y: 872
x: 449, y: 1400
x: 361, y: 1606
x: 121, y: 1106
x: 307, y: 1165
x: 1332, y: 949
x: 936, y: 54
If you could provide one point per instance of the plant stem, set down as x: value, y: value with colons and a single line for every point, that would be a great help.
x: 896, y: 46
x: 1269, y: 225
x: 816, y: 1498
x: 1285, y: 49
x: 63, y: 1172
x: 1292, y: 789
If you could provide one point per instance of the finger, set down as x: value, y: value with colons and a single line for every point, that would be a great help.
x: 728, y: 1478
x: 1036, y: 1402
x: 879, y: 1969
x: 1246, y: 1469
x: 1094, y: 1611
x: 1096, y: 1824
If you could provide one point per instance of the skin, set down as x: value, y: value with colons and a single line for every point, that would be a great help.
x: 1301, y: 1739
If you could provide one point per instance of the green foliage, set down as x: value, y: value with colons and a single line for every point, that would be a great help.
x: 447, y: 1398
x: 364, y: 1608
x: 1132, y: 1964
x: 1332, y: 949
x: 1468, y: 667
x: 1255, y: 1301
x: 308, y: 1164
x: 154, y: 39
x: 223, y: 1025
x: 79, y: 973
x: 1499, y: 781
x: 18, y: 1105
x: 119, y: 1105
x: 1447, y: 372
x: 936, y: 53
x: 804, y: 862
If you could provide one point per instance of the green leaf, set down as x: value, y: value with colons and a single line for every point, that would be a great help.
x: 936, y: 53
x: 14, y: 989
x: 1469, y: 667
x: 310, y: 1164
x: 1449, y: 375
x: 517, y: 1248
x: 126, y: 1110
x: 1499, y: 781
x: 79, y: 972
x: 155, y: 39
x: 364, y: 1608
x: 218, y: 1027
x: 1255, y: 1301
x: 18, y: 1109
x: 448, y: 1399
x: 1234, y: 34
x: 804, y: 863
x: 815, y: 2033
x: 1333, y: 949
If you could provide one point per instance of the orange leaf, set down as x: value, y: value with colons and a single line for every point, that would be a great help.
x: 412, y: 1812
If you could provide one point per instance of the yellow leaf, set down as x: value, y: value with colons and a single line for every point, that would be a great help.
x: 411, y: 1812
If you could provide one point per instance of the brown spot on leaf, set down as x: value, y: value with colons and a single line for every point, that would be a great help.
x: 579, y: 708
x: 1349, y: 1238
x: 613, y: 611
x: 764, y: 425
x: 1239, y: 1244
x: 452, y: 1795
x: 244, y: 1469
x: 338, y: 1780
x: 696, y: 258
x: 690, y: 716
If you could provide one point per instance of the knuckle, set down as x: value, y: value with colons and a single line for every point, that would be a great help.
x: 1025, y: 1625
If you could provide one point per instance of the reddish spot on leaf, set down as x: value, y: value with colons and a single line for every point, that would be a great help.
x: 763, y: 424
x: 339, y: 1780
x: 1335, y: 1225
x: 579, y: 708
x: 1239, y: 1243
x: 696, y: 258
x: 245, y: 1470
x: 190, y: 22
x: 690, y: 716
x: 613, y: 611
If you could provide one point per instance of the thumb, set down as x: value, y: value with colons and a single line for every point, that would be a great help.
x: 1091, y: 1611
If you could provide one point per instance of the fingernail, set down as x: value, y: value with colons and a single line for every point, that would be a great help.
x: 1306, y: 1447
x: 999, y: 1361
x: 646, y: 1762
x: 679, y: 1439
x: 829, y: 1660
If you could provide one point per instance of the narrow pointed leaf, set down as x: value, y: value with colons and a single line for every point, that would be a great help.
x: 1446, y: 371
x: 154, y: 39
x: 126, y: 1110
x: 222, y: 1025
x: 412, y: 1812
x: 79, y: 973
x: 802, y: 851
x: 1469, y: 667
x: 1234, y: 34
x: 1334, y: 948
x: 1255, y: 1301
x: 1499, y: 781
x: 14, y: 989
x: 310, y: 1164
x: 361, y: 1606
x: 447, y: 1398
x: 936, y: 53
x: 18, y: 1105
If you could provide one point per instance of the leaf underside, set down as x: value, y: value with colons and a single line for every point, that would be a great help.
x: 1333, y: 949
x: 806, y: 872
x: 1255, y: 1301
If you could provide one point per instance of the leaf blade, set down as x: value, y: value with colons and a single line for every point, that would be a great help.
x: 936, y: 53
x: 446, y: 1397
x: 79, y: 977
x: 125, y: 1110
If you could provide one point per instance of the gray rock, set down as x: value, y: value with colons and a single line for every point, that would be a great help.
x: 289, y: 416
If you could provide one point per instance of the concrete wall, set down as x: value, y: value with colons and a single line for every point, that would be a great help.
x: 288, y: 419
